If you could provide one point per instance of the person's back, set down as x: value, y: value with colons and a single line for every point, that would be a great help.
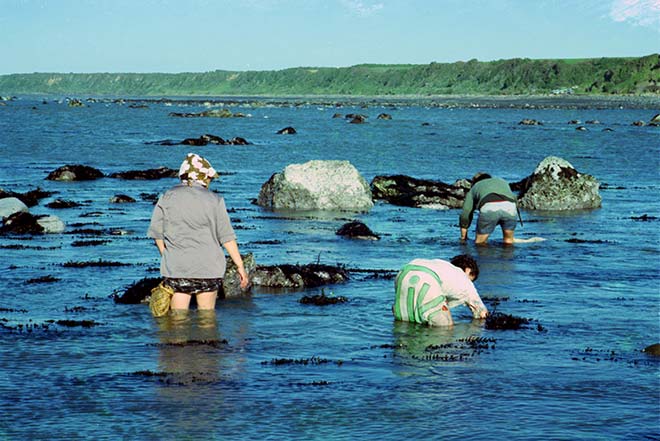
x: 496, y: 204
x: 426, y: 290
x: 196, y: 223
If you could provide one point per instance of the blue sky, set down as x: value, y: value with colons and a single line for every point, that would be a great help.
x: 204, y: 35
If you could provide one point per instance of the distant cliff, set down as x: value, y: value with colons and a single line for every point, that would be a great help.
x: 519, y: 76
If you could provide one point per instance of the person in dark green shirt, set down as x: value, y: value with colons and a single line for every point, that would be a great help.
x: 496, y: 204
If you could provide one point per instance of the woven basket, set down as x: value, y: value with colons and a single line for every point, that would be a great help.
x: 161, y: 296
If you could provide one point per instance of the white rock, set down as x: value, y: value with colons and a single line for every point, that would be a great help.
x: 9, y: 206
x: 317, y: 185
x: 51, y: 224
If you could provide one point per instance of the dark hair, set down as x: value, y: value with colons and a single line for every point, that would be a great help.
x: 480, y: 177
x: 464, y: 261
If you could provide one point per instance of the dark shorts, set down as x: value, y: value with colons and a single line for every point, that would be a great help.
x: 499, y: 213
x: 193, y: 286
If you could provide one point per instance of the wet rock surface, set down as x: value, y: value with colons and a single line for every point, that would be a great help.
x: 21, y: 223
x: 75, y: 172
x: 501, y: 321
x: 357, y: 230
x: 298, y: 276
x: 322, y: 299
x: 137, y: 292
x: 411, y: 192
x: 150, y: 174
x: 317, y: 185
x: 30, y: 198
x: 287, y: 131
x: 556, y: 185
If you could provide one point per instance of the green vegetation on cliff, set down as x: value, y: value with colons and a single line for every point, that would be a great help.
x: 639, y: 75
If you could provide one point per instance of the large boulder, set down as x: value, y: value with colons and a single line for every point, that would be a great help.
x: 75, y: 172
x: 317, y: 185
x: 556, y: 185
x: 411, y: 192
x: 9, y: 206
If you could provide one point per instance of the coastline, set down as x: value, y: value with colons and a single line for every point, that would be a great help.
x: 530, y: 101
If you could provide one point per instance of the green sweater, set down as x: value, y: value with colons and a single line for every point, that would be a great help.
x: 487, y: 190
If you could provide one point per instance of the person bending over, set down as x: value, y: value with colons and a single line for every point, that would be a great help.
x: 427, y: 289
x: 496, y: 204
x: 189, y: 225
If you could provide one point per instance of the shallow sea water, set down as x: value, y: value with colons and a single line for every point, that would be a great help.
x: 580, y: 375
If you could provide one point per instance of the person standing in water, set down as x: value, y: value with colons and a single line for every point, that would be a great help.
x: 190, y: 225
x: 427, y: 289
x: 496, y: 204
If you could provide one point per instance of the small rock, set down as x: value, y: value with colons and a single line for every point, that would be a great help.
x: 357, y: 230
x: 287, y: 131
x: 75, y: 172
x: 121, y: 199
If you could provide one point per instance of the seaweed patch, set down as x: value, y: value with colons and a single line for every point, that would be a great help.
x: 93, y: 263
x: 498, y: 320
x: 211, y: 343
x: 315, y: 361
x: 322, y: 299
x: 43, y: 279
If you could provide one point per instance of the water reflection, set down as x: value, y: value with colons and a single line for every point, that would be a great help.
x: 190, y: 345
x: 442, y: 343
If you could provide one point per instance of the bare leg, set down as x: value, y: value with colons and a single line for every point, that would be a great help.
x: 507, y: 236
x: 481, y: 239
x: 180, y: 300
x: 206, y: 300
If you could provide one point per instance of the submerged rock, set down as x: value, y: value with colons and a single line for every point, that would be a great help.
x: 30, y: 198
x: 213, y: 139
x: 653, y: 350
x: 287, y: 131
x: 499, y: 320
x: 530, y: 122
x: 61, y: 203
x: 317, y: 185
x: 121, y: 199
x: 322, y: 300
x: 213, y: 113
x: 411, y: 192
x: 298, y: 276
x: 75, y: 172
x: 357, y: 230
x: 151, y: 174
x: 21, y: 222
x: 138, y: 292
x: 356, y: 118
x: 556, y: 185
